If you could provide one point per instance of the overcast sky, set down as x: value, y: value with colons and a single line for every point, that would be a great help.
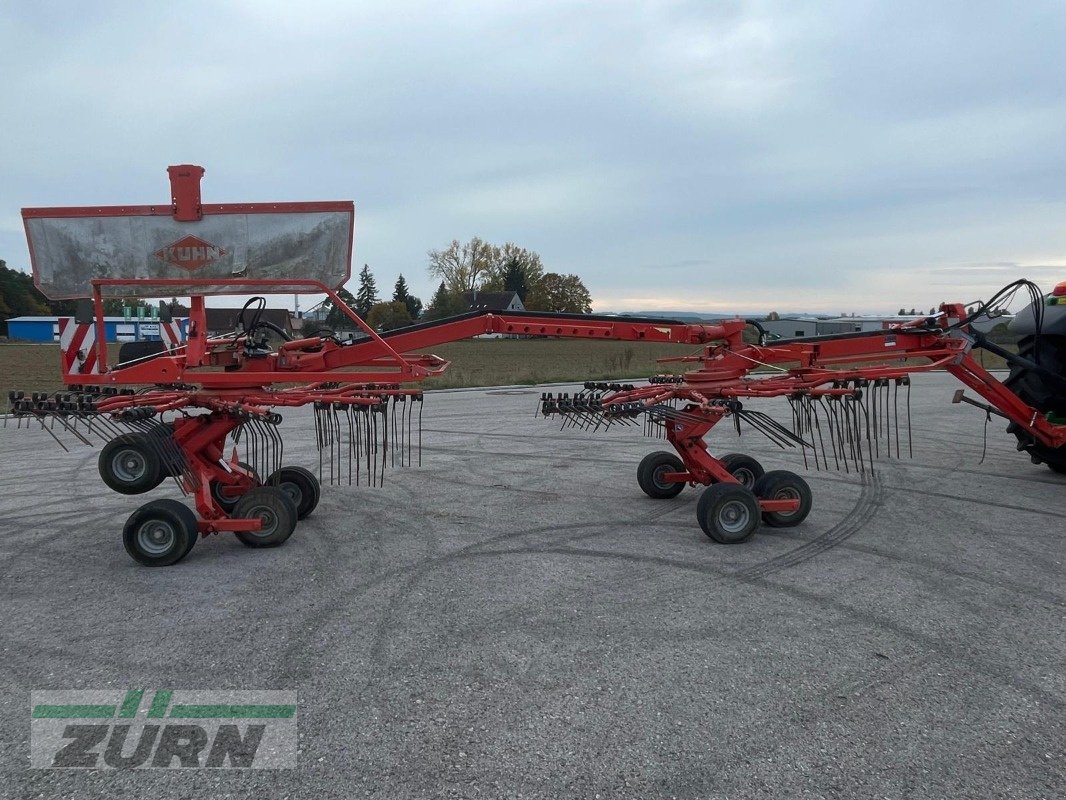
x: 850, y: 156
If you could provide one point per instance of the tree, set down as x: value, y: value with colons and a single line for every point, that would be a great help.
x: 556, y: 292
x: 773, y: 316
x: 445, y: 303
x: 335, y: 317
x: 514, y: 269
x: 901, y: 312
x: 388, y: 316
x: 463, y: 267
x: 367, y: 295
x: 400, y: 294
x: 18, y: 295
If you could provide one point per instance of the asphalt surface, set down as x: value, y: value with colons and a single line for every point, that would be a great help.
x: 515, y: 619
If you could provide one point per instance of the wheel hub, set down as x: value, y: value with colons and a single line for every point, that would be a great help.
x: 268, y: 518
x: 129, y: 465
x: 294, y: 493
x: 734, y: 516
x: 787, y: 493
x: 657, y: 477
x: 156, y: 537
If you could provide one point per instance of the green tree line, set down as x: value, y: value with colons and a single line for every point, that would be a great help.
x: 19, y: 298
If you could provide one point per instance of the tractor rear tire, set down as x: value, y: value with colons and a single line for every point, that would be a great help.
x: 160, y: 533
x: 780, y: 484
x: 650, y: 471
x: 728, y: 513
x: 276, y: 510
x: 129, y: 465
x: 301, y: 486
x: 1043, y: 394
x: 743, y: 467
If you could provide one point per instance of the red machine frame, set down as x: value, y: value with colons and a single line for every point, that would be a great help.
x: 223, y: 377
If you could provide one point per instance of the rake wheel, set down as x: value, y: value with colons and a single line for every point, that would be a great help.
x: 727, y: 512
x: 301, y: 486
x: 781, y: 484
x: 743, y: 467
x: 129, y: 465
x: 276, y: 511
x: 650, y: 471
x: 160, y: 533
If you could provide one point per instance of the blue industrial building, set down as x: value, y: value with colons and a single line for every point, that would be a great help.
x: 119, y: 329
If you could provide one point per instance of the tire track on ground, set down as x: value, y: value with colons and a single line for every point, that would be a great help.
x: 870, y: 499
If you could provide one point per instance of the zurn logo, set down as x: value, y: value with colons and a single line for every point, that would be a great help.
x: 164, y: 729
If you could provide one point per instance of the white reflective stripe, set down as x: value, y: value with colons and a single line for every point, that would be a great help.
x: 90, y: 354
x: 170, y: 333
x: 66, y: 332
x: 76, y: 338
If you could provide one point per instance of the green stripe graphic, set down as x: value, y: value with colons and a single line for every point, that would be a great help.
x: 130, y: 704
x: 158, y: 709
x: 44, y: 711
x: 159, y: 703
x: 231, y: 711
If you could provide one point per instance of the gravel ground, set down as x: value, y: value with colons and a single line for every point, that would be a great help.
x: 515, y: 619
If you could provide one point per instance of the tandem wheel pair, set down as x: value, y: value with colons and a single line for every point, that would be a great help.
x: 162, y: 532
x: 729, y: 513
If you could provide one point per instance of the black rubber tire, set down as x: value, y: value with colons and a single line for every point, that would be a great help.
x: 653, y: 465
x: 128, y: 465
x: 780, y: 484
x: 743, y: 467
x: 728, y: 512
x: 228, y: 502
x: 160, y: 533
x: 301, y: 486
x: 1049, y: 350
x: 275, y: 508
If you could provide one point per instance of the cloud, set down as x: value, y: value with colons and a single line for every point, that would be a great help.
x: 838, y: 156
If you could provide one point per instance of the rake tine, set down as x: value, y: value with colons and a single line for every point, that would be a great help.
x: 833, y: 436
x: 812, y: 417
x: 392, y: 445
x: 351, y: 439
x: 73, y: 430
x: 860, y: 460
x: 385, y: 446
x: 173, y: 458
x: 797, y: 427
x: 849, y: 425
x: 50, y: 432
x: 757, y: 424
x: 338, y: 434
x: 895, y: 406
x: 910, y: 440
x: 876, y: 418
x: 374, y: 442
x: 888, y: 418
x: 829, y: 424
x: 318, y: 440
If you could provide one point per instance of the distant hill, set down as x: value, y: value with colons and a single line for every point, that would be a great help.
x: 680, y: 316
x: 691, y: 316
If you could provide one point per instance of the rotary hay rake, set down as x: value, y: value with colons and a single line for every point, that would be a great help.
x: 199, y: 403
